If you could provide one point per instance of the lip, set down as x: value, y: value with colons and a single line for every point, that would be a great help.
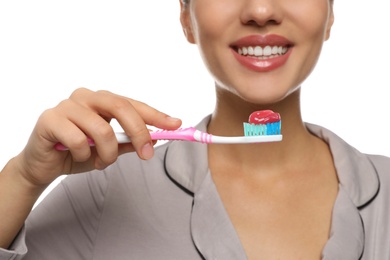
x: 262, y: 65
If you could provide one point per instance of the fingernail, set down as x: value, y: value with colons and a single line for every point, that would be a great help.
x: 147, y: 151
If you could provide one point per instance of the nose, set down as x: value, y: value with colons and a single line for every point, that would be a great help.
x: 261, y: 12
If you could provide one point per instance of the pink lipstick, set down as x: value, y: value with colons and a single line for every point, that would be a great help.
x: 262, y: 53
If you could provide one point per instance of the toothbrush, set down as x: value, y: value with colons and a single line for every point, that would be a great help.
x: 194, y: 135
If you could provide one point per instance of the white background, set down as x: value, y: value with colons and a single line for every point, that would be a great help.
x: 136, y: 48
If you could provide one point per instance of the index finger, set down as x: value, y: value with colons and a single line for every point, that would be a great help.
x: 133, y: 116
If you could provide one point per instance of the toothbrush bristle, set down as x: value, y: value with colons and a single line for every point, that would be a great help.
x: 262, y: 129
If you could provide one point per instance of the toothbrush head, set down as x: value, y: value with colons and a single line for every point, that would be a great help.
x: 263, y: 122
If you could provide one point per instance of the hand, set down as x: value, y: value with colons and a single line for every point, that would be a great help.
x: 87, y: 114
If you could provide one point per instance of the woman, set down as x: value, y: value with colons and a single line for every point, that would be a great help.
x: 310, y: 196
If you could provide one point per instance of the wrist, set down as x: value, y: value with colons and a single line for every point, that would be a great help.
x: 21, y: 179
x: 17, y: 198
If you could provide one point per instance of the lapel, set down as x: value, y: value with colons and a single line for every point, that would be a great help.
x: 356, y: 173
x: 358, y: 185
x: 211, y: 229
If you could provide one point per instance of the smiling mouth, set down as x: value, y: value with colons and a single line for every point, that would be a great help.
x: 259, y: 52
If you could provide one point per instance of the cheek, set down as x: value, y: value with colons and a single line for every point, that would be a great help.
x: 310, y: 22
x: 311, y: 17
x: 207, y: 21
x: 210, y: 31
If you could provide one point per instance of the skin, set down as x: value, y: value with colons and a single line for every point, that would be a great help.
x: 279, y: 195
x: 27, y: 175
x: 276, y: 194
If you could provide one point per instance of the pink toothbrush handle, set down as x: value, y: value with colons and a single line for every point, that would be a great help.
x: 184, y: 134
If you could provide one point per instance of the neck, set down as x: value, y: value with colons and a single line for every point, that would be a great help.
x: 297, y: 144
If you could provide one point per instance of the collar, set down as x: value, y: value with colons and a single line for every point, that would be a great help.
x: 356, y: 173
x: 211, y: 229
x: 186, y: 163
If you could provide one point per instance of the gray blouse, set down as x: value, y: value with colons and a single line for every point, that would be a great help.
x: 169, y: 208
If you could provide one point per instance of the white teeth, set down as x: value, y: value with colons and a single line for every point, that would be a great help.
x: 275, y: 50
x: 250, y: 50
x: 267, y: 51
x: 259, y: 51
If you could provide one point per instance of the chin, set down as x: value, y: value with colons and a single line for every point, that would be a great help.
x: 263, y: 100
x: 263, y: 97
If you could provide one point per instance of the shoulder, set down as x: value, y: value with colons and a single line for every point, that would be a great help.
x: 382, y: 165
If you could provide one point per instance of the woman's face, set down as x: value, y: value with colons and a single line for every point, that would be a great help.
x: 260, y: 50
